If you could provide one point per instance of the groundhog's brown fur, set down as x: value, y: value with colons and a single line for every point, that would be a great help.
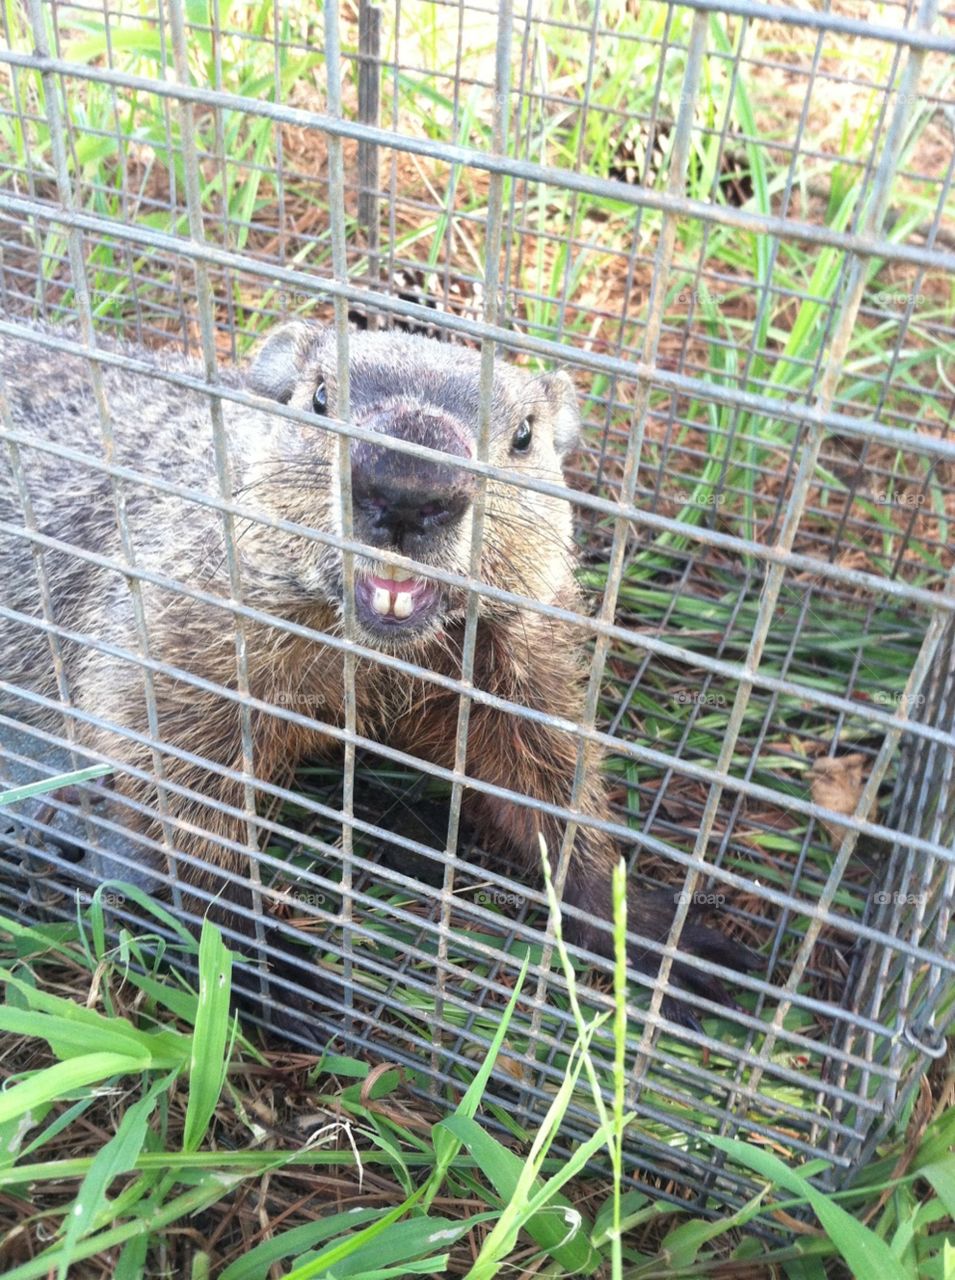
x: 400, y: 386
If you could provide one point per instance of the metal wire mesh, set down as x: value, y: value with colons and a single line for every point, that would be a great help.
x: 759, y: 324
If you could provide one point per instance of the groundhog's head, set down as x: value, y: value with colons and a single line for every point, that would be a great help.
x: 421, y: 391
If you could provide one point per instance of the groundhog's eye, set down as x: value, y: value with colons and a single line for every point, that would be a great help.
x: 320, y: 399
x: 521, y: 440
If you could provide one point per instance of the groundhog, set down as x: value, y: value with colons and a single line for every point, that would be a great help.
x: 401, y: 387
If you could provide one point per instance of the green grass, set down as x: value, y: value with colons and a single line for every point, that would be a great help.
x: 829, y: 651
x: 183, y: 1142
x: 52, y: 784
x: 234, y: 195
x: 628, y: 77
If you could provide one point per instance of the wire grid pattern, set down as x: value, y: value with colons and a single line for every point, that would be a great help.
x: 669, y: 394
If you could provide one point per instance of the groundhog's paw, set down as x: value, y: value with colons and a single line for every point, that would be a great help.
x: 687, y: 982
x: 297, y: 1006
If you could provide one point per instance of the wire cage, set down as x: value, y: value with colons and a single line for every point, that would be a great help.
x: 731, y: 222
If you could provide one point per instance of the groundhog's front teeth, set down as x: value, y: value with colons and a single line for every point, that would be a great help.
x: 390, y: 603
x: 401, y: 604
x: 391, y: 592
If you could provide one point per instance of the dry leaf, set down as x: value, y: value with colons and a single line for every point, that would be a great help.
x: 837, y: 783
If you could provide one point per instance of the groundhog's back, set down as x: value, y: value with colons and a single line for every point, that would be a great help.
x: 160, y: 430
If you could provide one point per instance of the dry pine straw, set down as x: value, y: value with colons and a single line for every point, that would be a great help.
x: 287, y: 1107
x: 284, y: 1105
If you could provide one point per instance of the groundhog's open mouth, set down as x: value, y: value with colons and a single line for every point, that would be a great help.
x: 388, y: 604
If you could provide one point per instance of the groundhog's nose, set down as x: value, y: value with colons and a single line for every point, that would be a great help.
x: 403, y: 516
x: 404, y: 502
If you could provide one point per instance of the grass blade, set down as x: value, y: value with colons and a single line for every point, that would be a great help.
x: 558, y: 1227
x: 62, y: 1078
x: 117, y: 1157
x: 53, y: 784
x: 213, y: 1030
x: 865, y: 1253
x: 256, y: 1263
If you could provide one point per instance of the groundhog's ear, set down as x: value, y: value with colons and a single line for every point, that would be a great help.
x: 562, y: 396
x: 278, y: 364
